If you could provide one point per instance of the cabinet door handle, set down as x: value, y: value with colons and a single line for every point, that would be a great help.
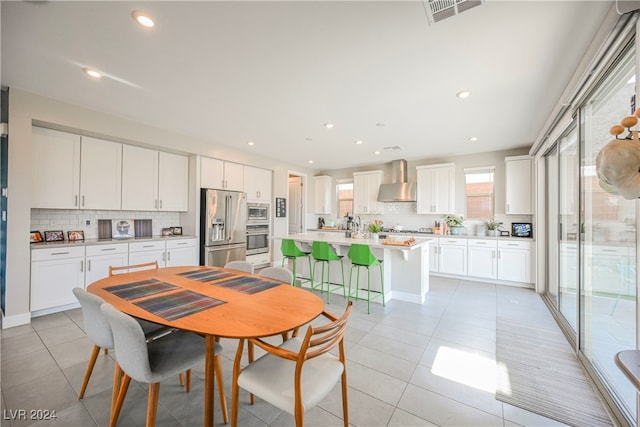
x: 507, y: 207
x: 608, y: 250
x: 169, y: 256
x: 493, y: 254
x: 147, y: 246
x: 183, y: 243
x: 75, y: 200
x: 60, y: 253
x: 108, y: 249
x: 155, y: 204
x: 160, y: 204
x: 164, y: 256
x: 82, y: 266
x: 498, y: 254
x: 88, y: 265
x: 82, y: 201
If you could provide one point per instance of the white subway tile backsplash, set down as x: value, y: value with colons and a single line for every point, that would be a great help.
x: 71, y: 220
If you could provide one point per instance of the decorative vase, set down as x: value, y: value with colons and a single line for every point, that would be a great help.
x: 456, y: 229
x: 375, y: 237
x: 492, y: 232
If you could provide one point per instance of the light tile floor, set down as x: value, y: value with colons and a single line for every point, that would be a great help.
x: 408, y: 365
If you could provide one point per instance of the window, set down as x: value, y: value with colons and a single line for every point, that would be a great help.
x: 345, y: 197
x: 479, y: 192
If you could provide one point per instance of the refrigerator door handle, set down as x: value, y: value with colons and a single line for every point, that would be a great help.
x: 227, y: 214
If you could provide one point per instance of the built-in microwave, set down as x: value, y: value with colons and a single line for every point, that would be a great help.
x: 257, y: 213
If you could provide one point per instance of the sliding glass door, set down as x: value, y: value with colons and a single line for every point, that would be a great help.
x: 607, y: 238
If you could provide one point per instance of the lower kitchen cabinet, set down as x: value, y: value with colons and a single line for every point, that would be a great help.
x: 482, y: 258
x: 514, y: 261
x: 453, y: 256
x: 147, y: 251
x: 100, y: 257
x: 54, y: 273
x: 182, y: 252
x: 434, y: 256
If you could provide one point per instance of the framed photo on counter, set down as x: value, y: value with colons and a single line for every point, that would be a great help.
x: 54, y: 236
x: 75, y: 235
x: 35, y: 237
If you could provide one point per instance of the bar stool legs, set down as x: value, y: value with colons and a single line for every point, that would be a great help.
x: 322, y: 252
x: 361, y: 256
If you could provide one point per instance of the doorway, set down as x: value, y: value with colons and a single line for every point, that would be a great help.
x: 297, y: 199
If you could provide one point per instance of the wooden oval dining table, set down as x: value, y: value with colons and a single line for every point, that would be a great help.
x: 213, y: 302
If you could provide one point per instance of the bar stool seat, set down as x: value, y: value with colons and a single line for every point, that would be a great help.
x: 291, y: 251
x: 324, y: 254
x: 361, y: 256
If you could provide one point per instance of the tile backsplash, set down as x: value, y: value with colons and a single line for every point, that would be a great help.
x: 71, y: 220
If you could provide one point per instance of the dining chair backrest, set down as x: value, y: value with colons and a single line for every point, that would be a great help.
x: 96, y: 325
x: 277, y: 273
x: 130, y: 344
x: 362, y: 255
x: 322, y: 251
x: 321, y: 339
x: 131, y: 268
x: 244, y: 266
x: 290, y: 249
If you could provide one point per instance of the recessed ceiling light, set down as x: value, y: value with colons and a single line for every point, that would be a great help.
x: 328, y: 125
x: 473, y: 138
x: 463, y: 94
x: 92, y: 72
x: 142, y: 19
x: 250, y: 143
x: 359, y: 142
x: 310, y: 162
x: 376, y: 152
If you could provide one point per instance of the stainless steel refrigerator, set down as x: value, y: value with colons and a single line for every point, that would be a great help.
x: 223, y: 227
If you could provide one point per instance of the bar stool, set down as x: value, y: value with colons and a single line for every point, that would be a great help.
x: 361, y: 256
x: 323, y: 253
x: 291, y: 251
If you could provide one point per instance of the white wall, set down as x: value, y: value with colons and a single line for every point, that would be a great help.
x: 26, y: 109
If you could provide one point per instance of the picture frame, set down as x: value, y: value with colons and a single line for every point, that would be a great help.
x: 54, y: 236
x: 177, y: 231
x: 281, y: 207
x: 35, y: 237
x: 168, y: 231
x: 521, y: 229
x: 73, y: 236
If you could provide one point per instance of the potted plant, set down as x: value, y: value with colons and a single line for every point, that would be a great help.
x: 454, y: 223
x: 375, y: 228
x: 493, y: 226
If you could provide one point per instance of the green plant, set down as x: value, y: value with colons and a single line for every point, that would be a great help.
x: 375, y: 226
x: 492, y: 224
x: 453, y: 220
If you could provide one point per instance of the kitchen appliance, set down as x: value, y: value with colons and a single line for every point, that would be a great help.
x: 320, y: 223
x: 349, y: 222
x: 257, y: 239
x: 257, y: 213
x: 223, y: 227
x: 399, y: 190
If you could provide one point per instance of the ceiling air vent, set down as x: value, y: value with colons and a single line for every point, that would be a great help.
x: 392, y: 148
x: 437, y: 10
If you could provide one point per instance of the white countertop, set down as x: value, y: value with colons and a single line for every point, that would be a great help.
x: 89, y: 242
x: 340, y: 239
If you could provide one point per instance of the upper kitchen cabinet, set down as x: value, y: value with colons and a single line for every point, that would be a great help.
x: 76, y: 172
x: 436, y: 189
x: 365, y: 192
x: 257, y: 184
x: 221, y: 175
x: 154, y: 180
x: 322, y: 189
x: 518, y: 185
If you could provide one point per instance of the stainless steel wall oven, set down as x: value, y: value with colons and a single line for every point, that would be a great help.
x: 257, y: 239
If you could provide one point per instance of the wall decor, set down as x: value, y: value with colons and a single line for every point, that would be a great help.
x: 177, y: 231
x: 123, y: 228
x: 54, y: 236
x: 168, y: 231
x: 75, y: 235
x: 35, y: 237
x: 281, y: 207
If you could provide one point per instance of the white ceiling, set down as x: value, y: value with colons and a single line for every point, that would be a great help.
x: 275, y: 72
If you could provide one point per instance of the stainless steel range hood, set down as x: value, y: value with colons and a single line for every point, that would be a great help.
x: 399, y: 190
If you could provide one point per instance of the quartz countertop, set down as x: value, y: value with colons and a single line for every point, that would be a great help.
x: 90, y: 242
x: 424, y: 234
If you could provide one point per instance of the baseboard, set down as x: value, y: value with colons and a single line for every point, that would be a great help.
x: 407, y: 297
x: 16, y: 320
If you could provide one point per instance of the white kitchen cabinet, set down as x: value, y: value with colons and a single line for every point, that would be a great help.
x: 218, y: 174
x: 435, y: 192
x: 181, y: 252
x: 453, y: 256
x: 54, y: 273
x: 153, y: 180
x: 147, y: 251
x: 514, y: 261
x: 257, y: 184
x: 482, y: 258
x: 518, y: 185
x: 75, y: 172
x: 323, y: 191
x: 434, y: 256
x: 100, y: 257
x: 365, y: 192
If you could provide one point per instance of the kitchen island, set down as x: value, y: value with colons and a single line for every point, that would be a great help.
x: 406, y: 268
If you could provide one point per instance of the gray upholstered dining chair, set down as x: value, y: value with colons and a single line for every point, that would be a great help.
x: 277, y: 273
x: 299, y: 373
x: 152, y: 362
x: 244, y: 266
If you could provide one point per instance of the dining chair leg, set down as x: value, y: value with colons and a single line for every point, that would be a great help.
x: 181, y: 378
x: 92, y: 361
x: 188, y: 380
x: 220, y: 380
x: 152, y: 404
x: 117, y: 382
x: 345, y: 404
x: 250, y: 357
x: 235, y: 389
x: 126, y: 379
